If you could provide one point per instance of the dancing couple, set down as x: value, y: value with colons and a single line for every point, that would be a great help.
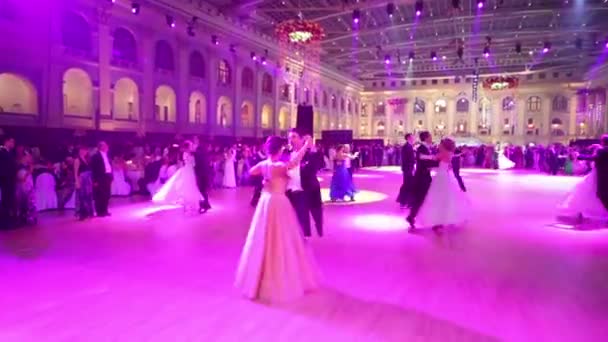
x: 275, y: 263
x: 189, y: 185
x: 438, y: 201
x: 589, y: 198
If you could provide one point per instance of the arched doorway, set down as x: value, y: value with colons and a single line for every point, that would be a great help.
x: 165, y: 104
x: 17, y: 95
x: 266, y: 116
x: 197, y: 113
x: 77, y: 93
x: 126, y: 99
x: 247, y: 114
x: 224, y: 112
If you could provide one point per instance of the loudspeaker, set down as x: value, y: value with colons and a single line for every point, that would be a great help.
x: 305, y: 119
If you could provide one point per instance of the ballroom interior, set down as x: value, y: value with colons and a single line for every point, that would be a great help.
x: 508, y: 71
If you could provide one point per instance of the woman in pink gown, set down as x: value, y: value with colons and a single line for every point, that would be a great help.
x: 275, y: 265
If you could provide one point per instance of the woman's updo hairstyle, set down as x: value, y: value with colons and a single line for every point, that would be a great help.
x: 274, y: 145
x: 448, y: 144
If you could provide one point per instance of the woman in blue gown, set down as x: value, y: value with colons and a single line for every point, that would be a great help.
x: 341, y: 181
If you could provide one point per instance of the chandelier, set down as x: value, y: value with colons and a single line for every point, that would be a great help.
x: 501, y: 82
x: 299, y: 31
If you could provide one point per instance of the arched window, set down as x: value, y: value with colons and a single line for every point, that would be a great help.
x: 441, y: 106
x: 124, y: 46
x: 75, y: 32
x: 534, y: 104
x: 334, y: 102
x: 342, y: 105
x: 419, y: 105
x: 462, y: 106
x: 557, y: 127
x: 380, y: 128
x: 247, y: 79
x: 224, y: 74
x: 324, y: 99
x: 315, y: 98
x: 163, y: 56
x: 17, y: 95
x: 126, y: 99
x: 560, y: 104
x: 508, y: 104
x: 267, y: 84
x: 197, y: 65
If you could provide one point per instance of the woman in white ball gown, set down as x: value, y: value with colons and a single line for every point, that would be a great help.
x: 504, y: 163
x: 229, y: 180
x: 445, y: 203
x: 582, y: 202
x: 181, y: 187
x: 275, y: 265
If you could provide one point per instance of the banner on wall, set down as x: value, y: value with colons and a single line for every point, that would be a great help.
x: 398, y: 105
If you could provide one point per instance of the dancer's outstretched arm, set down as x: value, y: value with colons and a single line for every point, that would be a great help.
x: 295, y: 161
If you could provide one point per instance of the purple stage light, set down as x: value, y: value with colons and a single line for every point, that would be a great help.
x: 418, y: 13
x: 356, y: 20
x: 545, y: 50
x: 606, y: 45
x: 547, y: 47
x: 387, y: 59
x: 356, y: 15
x: 480, y: 5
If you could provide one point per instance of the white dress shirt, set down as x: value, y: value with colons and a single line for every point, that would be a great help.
x: 106, y: 161
x: 295, y: 180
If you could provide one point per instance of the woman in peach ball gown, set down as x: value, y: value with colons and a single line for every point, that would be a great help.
x: 275, y: 265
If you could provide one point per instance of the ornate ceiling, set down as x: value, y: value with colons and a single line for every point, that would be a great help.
x: 513, y: 33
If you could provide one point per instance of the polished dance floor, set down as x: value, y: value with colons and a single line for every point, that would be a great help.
x: 155, y: 273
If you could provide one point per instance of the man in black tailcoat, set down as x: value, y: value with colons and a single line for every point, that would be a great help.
x: 456, y: 164
x: 101, y: 167
x: 422, y: 176
x: 303, y: 188
x: 408, y: 160
x: 600, y: 158
x: 202, y: 167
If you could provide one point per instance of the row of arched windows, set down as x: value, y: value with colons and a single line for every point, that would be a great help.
x: 533, y: 105
x: 19, y: 96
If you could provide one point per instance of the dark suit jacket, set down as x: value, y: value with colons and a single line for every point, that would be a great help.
x: 408, y: 158
x: 98, y: 168
x: 201, y: 164
x: 601, y: 166
x: 310, y: 165
x: 8, y: 167
x: 423, y: 166
x: 151, y: 171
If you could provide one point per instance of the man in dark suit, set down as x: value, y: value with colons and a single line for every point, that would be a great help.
x: 257, y: 181
x: 422, y: 177
x: 600, y: 158
x: 456, y: 164
x: 303, y: 188
x: 101, y: 167
x: 8, y: 183
x: 201, y: 169
x: 408, y: 160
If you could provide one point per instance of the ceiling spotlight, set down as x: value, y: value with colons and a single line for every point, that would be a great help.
x: 135, y: 7
x: 411, y: 56
x: 518, y: 47
x: 606, y: 43
x: 546, y: 47
x: 486, y: 52
x: 191, y: 32
x: 387, y: 59
x: 434, y: 56
x: 480, y: 4
x: 356, y: 15
x: 170, y: 21
x: 418, y: 7
x: 456, y: 4
x: 263, y: 59
x: 390, y: 9
x: 216, y: 41
x: 253, y: 56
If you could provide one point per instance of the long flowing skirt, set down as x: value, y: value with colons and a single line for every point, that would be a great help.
x: 341, y: 184
x: 582, y: 200
x: 504, y: 163
x: 180, y: 188
x: 84, y: 195
x: 445, y: 204
x: 275, y: 265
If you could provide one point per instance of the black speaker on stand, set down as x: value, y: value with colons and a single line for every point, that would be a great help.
x: 305, y: 119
